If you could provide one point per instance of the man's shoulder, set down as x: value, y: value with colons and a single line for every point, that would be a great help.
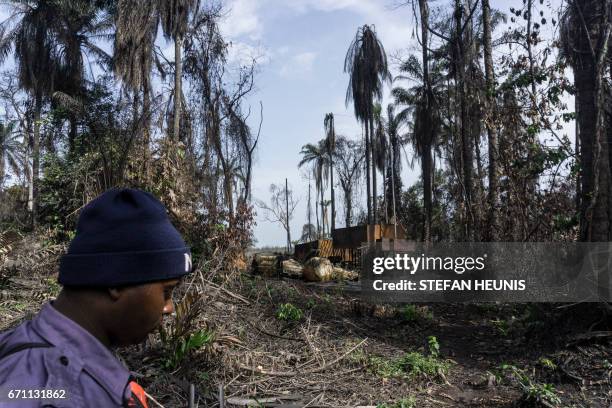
x: 30, y: 366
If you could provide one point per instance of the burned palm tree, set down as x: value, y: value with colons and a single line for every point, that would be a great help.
x: 366, y: 64
x: 136, y: 28
x: 420, y: 103
x: 317, y: 157
x: 330, y: 146
x: 174, y: 16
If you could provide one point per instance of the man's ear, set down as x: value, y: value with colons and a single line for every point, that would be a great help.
x: 115, y: 293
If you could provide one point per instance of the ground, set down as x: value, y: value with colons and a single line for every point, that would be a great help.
x: 288, y: 343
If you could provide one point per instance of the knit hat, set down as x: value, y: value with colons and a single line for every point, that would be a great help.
x: 124, y: 237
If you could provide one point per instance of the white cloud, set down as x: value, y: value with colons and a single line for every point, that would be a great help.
x: 242, y: 20
x: 393, y: 25
x: 298, y: 65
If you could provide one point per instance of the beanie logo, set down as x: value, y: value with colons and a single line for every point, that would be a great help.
x: 187, y: 262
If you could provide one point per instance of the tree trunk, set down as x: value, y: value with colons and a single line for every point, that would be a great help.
x: 333, y: 198
x: 146, y: 127
x: 373, y: 163
x: 317, y: 214
x: 367, y: 163
x: 309, y: 213
x: 426, y: 170
x: 2, y: 154
x: 348, y: 210
x: 72, y: 134
x: 322, y: 205
x: 466, y: 145
x: 490, y: 123
x: 429, y: 126
x: 596, y: 180
x: 36, y: 159
x: 178, y: 72
x: 287, y: 208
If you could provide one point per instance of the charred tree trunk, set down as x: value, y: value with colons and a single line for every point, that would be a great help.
x: 490, y: 123
x: 178, y: 72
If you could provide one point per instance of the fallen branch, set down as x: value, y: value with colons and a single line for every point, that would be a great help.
x: 232, y: 294
x: 312, y: 371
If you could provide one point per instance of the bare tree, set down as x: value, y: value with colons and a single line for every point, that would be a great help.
x: 281, y: 208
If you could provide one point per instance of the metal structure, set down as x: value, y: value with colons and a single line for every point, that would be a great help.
x: 344, y: 247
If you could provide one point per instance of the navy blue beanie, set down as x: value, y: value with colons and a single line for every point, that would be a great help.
x: 124, y: 237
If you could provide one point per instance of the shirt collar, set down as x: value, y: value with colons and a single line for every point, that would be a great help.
x: 98, y: 360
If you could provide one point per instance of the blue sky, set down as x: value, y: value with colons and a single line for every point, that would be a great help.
x: 301, y: 46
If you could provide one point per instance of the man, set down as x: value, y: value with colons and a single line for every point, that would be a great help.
x: 117, y: 278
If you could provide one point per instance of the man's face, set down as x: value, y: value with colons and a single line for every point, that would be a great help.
x: 139, y: 310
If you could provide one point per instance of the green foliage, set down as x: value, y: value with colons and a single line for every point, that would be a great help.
x: 187, y: 345
x: 547, y: 363
x: 289, y: 313
x: 410, y: 365
x: 408, y: 402
x: 434, y: 346
x: 534, y: 393
x: 311, y: 304
x: 52, y: 286
x: 413, y: 313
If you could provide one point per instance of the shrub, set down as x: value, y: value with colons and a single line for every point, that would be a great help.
x: 289, y: 313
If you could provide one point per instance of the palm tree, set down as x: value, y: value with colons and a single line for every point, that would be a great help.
x: 393, y: 124
x: 11, y: 151
x: 136, y: 28
x: 78, y: 25
x: 421, y: 103
x: 330, y: 146
x: 317, y: 157
x: 366, y: 64
x: 380, y: 151
x: 29, y: 30
x: 174, y: 16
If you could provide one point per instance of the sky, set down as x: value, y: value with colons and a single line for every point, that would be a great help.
x: 301, y: 45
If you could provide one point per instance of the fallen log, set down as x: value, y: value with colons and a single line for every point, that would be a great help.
x: 344, y: 274
x: 265, y: 264
x: 293, y: 268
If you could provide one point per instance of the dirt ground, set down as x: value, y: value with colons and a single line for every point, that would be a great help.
x: 337, y: 351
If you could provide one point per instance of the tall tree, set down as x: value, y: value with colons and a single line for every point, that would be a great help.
x: 174, y: 16
x: 366, y: 64
x: 393, y: 124
x: 330, y: 145
x: 79, y: 24
x: 490, y: 122
x: 29, y: 30
x: 585, y: 35
x: 349, y: 158
x: 317, y: 157
x: 421, y: 104
x: 136, y: 28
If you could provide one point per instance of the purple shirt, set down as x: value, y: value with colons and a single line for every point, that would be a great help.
x: 77, y: 362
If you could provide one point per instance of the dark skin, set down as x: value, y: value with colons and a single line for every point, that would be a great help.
x: 118, y: 316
